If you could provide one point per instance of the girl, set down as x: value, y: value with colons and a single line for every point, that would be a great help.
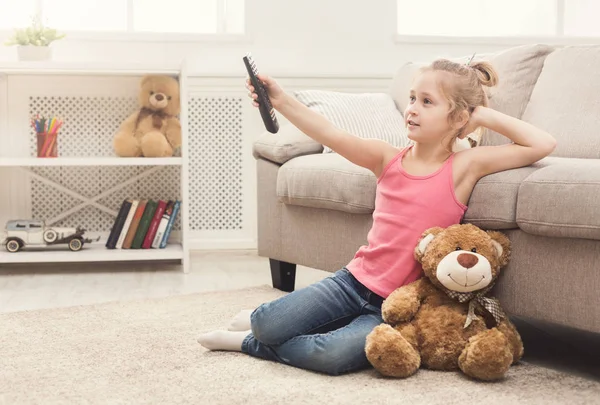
x: 324, y: 326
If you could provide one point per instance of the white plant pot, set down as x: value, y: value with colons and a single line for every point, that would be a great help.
x: 30, y: 52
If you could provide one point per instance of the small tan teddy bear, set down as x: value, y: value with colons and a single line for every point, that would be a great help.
x: 445, y: 321
x: 154, y: 130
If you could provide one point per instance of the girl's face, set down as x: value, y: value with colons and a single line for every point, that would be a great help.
x: 426, y: 115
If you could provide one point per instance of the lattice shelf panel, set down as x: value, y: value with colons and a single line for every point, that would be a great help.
x: 90, y: 123
x: 215, y: 166
x: 215, y: 142
x: 47, y: 202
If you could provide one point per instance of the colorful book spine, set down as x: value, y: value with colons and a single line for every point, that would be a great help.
x: 158, y: 213
x: 162, y: 227
x: 127, y: 224
x: 135, y: 222
x: 140, y: 234
x: 115, y: 232
x: 165, y: 238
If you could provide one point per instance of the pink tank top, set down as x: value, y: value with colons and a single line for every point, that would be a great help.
x: 405, y: 206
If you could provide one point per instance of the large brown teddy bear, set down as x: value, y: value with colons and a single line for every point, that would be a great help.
x: 154, y: 130
x: 443, y: 321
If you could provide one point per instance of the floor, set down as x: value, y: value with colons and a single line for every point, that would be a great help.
x: 50, y: 286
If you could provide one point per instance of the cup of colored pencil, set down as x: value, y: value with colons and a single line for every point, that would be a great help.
x: 46, y: 130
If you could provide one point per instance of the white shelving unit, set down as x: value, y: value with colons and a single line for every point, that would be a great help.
x: 15, y: 155
x: 94, y: 252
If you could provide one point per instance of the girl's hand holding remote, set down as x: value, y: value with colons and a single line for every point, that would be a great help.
x: 275, y: 92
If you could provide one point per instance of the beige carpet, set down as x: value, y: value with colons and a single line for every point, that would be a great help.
x: 145, y: 352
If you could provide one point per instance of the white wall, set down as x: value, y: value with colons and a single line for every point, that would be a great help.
x: 308, y: 39
x: 351, y: 37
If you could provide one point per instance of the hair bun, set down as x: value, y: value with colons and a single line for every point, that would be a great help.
x: 485, y: 73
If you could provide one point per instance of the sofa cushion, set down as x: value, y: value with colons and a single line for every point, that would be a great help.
x: 286, y: 144
x: 518, y: 70
x: 562, y: 200
x: 565, y: 101
x: 493, y: 203
x: 329, y: 181
x: 366, y: 115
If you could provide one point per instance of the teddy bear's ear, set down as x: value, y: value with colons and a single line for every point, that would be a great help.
x: 145, y: 79
x: 502, y: 245
x: 424, y: 240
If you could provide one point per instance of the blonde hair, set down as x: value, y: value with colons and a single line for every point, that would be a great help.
x: 464, y: 91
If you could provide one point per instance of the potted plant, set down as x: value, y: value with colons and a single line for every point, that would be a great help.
x: 34, y: 41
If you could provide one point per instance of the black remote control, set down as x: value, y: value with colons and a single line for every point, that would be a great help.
x: 267, y: 112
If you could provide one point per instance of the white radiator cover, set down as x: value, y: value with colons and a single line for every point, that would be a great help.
x: 216, y: 163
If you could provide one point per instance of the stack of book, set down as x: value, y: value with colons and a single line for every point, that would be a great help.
x: 143, y: 224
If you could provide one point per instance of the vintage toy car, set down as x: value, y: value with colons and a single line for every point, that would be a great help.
x: 35, y: 233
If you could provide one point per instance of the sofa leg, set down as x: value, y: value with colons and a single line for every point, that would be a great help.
x: 283, y: 275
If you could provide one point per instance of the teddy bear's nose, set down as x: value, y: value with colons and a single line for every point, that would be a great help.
x: 159, y: 97
x: 467, y: 260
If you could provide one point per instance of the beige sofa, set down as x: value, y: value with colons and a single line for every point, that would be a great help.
x: 314, y: 209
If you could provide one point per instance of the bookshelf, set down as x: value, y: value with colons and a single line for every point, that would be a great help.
x: 18, y: 168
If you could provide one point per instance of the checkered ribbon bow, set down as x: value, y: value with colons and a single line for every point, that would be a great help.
x: 490, y: 304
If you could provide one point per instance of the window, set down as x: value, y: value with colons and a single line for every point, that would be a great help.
x: 499, y: 18
x: 155, y: 16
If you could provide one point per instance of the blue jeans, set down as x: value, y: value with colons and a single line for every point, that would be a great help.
x: 322, y: 327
